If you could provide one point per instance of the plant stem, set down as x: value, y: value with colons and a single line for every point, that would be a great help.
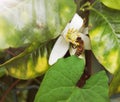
x: 88, y: 53
x: 8, y: 90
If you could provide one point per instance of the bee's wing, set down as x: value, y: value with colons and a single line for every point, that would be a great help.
x: 59, y: 50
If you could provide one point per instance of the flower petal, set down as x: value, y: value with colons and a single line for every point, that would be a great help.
x: 76, y: 23
x: 87, y: 43
x: 59, y: 50
x: 85, y: 30
x: 65, y: 31
x: 72, y: 52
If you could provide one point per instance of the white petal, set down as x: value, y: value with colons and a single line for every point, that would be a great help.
x: 72, y: 52
x: 85, y: 30
x: 65, y: 30
x: 59, y: 50
x: 76, y: 22
x: 82, y: 56
x: 87, y: 43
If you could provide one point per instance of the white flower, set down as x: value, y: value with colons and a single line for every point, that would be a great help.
x: 68, y: 40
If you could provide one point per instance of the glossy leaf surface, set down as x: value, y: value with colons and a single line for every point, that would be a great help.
x: 28, y: 25
x: 32, y: 64
x: 115, y: 4
x: 105, y: 36
x: 59, y: 84
x: 33, y: 20
x: 105, y: 39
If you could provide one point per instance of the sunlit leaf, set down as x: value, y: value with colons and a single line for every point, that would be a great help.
x: 59, y: 84
x: 105, y: 38
x: 115, y: 4
x: 33, y: 21
x: 115, y: 84
x: 32, y: 64
x: 28, y: 25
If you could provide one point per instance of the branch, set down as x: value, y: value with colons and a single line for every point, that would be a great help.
x: 88, y: 53
x: 8, y: 90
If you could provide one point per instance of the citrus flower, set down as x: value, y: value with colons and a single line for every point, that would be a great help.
x: 73, y: 38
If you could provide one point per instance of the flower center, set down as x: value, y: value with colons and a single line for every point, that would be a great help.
x: 72, y: 35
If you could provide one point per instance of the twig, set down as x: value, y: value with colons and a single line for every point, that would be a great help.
x: 8, y: 90
x: 27, y: 88
x: 88, y: 53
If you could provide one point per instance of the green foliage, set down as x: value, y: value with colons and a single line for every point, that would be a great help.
x: 114, y: 87
x: 105, y: 39
x: 104, y: 36
x: 115, y: 4
x: 34, y: 20
x: 35, y: 23
x: 32, y: 64
x: 2, y: 72
x: 59, y: 84
x: 67, y: 9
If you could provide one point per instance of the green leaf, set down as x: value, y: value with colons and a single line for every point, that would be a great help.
x: 59, y: 84
x: 2, y: 72
x: 114, y: 87
x: 105, y: 36
x: 35, y: 23
x: 32, y: 64
x: 115, y: 4
x: 105, y: 39
x: 67, y: 9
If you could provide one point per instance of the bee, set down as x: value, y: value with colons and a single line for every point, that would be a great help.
x: 79, y: 47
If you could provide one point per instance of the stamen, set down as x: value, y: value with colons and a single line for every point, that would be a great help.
x: 71, y: 36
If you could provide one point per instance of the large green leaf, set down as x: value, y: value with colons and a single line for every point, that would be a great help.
x: 30, y: 24
x: 105, y: 39
x: 32, y: 64
x: 2, y: 72
x: 105, y: 36
x: 115, y: 84
x: 59, y: 84
x: 33, y: 20
x: 115, y: 4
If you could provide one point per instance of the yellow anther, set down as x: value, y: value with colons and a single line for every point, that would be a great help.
x: 72, y: 35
